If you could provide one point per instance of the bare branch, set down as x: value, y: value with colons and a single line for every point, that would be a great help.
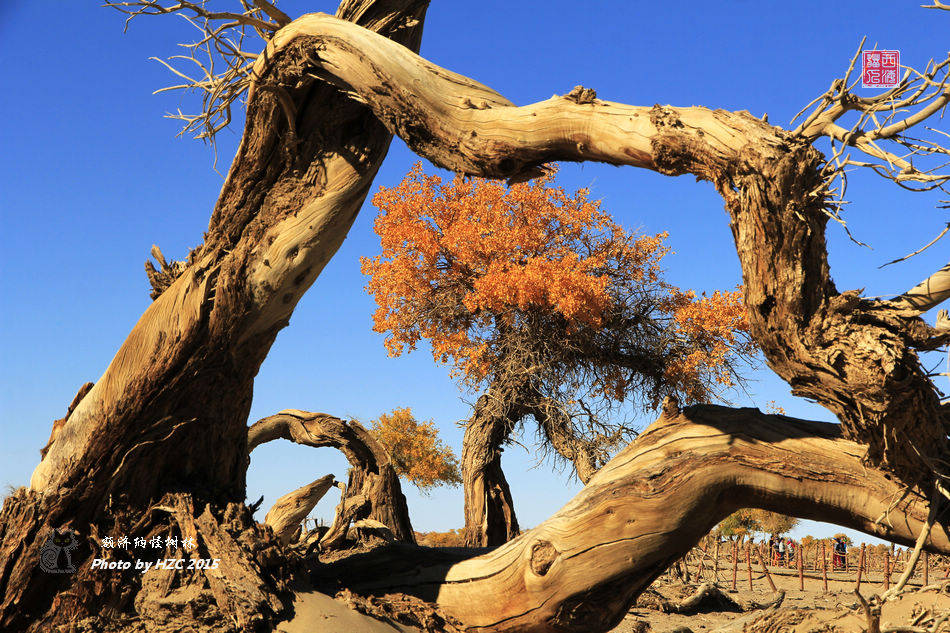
x: 879, y: 131
x: 153, y: 7
x: 921, y: 249
x: 273, y: 12
x: 928, y: 293
x: 222, y: 41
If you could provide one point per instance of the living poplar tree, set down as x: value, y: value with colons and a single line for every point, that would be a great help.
x: 552, y: 312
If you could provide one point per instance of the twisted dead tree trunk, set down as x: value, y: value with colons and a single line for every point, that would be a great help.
x: 581, y: 569
x: 169, y: 414
x: 372, y: 491
x: 158, y: 446
x: 817, y: 339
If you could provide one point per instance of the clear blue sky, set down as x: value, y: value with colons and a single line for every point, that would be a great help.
x: 91, y: 175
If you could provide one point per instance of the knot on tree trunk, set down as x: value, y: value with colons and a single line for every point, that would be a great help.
x: 543, y: 555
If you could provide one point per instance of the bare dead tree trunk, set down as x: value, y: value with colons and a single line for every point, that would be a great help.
x: 372, y: 491
x: 489, y: 510
x: 582, y: 568
x: 170, y: 412
x: 158, y: 446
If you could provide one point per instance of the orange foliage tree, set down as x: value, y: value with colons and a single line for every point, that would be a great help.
x: 416, y: 450
x: 539, y: 300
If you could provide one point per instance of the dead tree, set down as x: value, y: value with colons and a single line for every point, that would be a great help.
x: 372, y: 490
x: 158, y: 446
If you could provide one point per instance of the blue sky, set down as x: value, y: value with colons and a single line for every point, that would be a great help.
x: 91, y: 175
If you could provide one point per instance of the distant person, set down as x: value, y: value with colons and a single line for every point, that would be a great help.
x: 781, y: 552
x: 790, y: 551
x: 839, y: 552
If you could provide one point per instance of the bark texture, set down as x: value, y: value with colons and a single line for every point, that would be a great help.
x: 489, y: 510
x: 582, y: 568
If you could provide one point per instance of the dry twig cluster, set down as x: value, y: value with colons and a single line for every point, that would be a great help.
x: 223, y: 65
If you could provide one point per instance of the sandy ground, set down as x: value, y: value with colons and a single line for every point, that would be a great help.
x: 315, y: 611
x: 808, y: 611
x: 838, y: 611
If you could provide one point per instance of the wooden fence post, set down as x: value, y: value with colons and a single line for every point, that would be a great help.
x: 824, y: 565
x: 801, y: 570
x: 887, y: 570
x: 926, y: 568
x: 716, y: 563
x: 748, y: 562
x: 857, y: 585
x: 735, y: 563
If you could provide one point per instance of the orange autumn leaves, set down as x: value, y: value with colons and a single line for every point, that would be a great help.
x: 416, y: 450
x: 464, y: 257
x: 464, y: 262
x: 716, y: 328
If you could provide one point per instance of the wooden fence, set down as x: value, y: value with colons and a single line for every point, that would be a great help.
x: 752, y: 566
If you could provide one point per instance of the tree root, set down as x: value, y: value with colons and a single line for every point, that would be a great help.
x: 707, y: 597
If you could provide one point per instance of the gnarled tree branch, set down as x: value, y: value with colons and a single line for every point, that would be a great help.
x: 853, y: 356
x: 582, y: 568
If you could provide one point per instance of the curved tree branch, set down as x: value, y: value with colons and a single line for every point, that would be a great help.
x: 558, y: 428
x: 582, y: 568
x: 853, y: 356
